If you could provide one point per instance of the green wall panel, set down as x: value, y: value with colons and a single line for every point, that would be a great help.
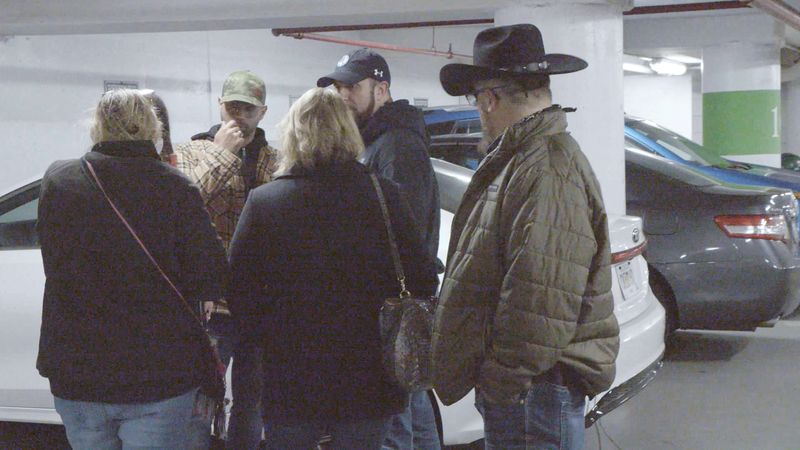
x: 742, y: 122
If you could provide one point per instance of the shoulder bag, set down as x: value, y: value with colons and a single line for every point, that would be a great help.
x: 406, y: 323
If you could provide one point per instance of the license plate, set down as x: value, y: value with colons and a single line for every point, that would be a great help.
x: 627, y: 280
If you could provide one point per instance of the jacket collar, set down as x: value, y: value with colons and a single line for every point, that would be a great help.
x: 335, y: 169
x: 127, y: 149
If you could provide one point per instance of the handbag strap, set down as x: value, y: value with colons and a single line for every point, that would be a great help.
x: 141, y: 244
x: 398, y: 265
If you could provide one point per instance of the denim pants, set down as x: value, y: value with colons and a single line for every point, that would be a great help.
x: 171, y: 424
x: 347, y: 435
x: 244, y: 428
x: 415, y: 427
x: 548, y: 417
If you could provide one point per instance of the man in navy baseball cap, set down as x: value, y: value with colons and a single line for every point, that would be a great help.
x: 356, y: 66
x: 396, y: 144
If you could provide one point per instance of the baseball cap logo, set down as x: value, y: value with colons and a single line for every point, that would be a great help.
x: 378, y: 73
x: 343, y: 61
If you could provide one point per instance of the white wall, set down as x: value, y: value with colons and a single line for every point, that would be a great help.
x: 50, y: 83
x: 663, y: 99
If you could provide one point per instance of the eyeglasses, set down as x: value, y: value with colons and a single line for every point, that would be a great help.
x: 472, y: 98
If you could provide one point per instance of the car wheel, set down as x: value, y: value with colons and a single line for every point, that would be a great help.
x: 666, y: 297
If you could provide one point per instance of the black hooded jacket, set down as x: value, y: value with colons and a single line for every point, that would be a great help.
x: 397, y: 149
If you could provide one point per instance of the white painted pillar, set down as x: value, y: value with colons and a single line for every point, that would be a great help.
x: 742, y: 102
x: 591, y: 30
x: 790, y: 104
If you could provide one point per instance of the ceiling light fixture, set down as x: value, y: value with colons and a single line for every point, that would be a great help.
x: 636, y: 68
x: 664, y: 66
x: 684, y: 59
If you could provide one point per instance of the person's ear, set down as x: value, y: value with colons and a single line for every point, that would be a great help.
x: 263, y: 112
x: 381, y: 89
x: 487, y: 102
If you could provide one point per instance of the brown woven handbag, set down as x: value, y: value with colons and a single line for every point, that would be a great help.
x: 406, y: 323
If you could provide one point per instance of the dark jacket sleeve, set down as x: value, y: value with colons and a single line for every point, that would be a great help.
x: 403, y: 158
x: 204, y: 270
x: 419, y: 268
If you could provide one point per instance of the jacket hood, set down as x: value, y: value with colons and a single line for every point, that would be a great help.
x: 395, y: 115
x: 207, y: 135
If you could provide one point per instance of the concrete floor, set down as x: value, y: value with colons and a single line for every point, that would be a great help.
x: 717, y: 390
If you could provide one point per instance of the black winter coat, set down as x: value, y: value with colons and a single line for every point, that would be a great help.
x: 113, y: 331
x: 313, y: 266
x: 397, y: 149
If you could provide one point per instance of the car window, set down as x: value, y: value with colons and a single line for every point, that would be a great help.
x: 440, y: 128
x: 659, y: 166
x: 461, y: 154
x: 18, y: 213
x: 630, y: 144
x: 681, y: 146
x: 468, y: 126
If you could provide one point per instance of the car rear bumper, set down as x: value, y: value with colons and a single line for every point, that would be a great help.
x: 622, y: 393
x: 732, y: 295
x: 641, y: 349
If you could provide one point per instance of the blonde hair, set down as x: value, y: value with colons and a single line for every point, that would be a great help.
x: 125, y: 115
x: 318, y: 129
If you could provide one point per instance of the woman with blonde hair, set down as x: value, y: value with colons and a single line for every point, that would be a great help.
x: 123, y: 351
x: 313, y: 266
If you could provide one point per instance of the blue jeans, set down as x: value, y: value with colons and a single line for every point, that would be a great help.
x: 244, y: 429
x: 549, y: 417
x: 357, y: 434
x: 414, y: 428
x: 169, y: 424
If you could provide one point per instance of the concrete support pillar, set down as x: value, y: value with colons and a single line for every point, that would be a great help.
x: 742, y: 102
x: 591, y: 30
x: 790, y: 104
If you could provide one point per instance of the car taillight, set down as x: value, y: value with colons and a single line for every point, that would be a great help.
x: 625, y: 255
x: 759, y: 226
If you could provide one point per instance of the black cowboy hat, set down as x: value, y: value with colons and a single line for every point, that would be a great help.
x: 513, y: 51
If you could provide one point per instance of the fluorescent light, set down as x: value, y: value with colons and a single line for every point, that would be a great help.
x: 637, y: 68
x: 635, y: 64
x: 684, y: 59
x: 663, y: 66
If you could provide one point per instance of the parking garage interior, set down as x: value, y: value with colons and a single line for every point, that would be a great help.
x: 723, y: 74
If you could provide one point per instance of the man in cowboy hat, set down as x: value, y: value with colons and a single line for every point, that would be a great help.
x: 526, y: 314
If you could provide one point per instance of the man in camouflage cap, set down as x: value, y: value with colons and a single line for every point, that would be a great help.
x: 226, y: 162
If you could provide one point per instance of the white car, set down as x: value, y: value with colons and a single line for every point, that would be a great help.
x: 25, y: 396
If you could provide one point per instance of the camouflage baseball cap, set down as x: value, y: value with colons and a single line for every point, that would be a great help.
x: 243, y: 86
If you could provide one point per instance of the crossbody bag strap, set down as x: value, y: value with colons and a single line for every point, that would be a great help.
x: 141, y: 244
x: 398, y: 265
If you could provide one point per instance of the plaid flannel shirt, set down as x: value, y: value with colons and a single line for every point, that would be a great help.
x: 217, y: 172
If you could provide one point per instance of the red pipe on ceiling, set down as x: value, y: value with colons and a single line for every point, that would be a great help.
x: 380, y: 26
x: 395, y: 48
x: 779, y: 10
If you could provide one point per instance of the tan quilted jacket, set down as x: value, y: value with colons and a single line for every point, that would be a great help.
x: 528, y: 281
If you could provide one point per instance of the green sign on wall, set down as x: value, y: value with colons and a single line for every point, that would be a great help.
x: 742, y: 122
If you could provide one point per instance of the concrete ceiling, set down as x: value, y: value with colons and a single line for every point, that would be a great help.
x: 32, y: 17
x: 26, y: 17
